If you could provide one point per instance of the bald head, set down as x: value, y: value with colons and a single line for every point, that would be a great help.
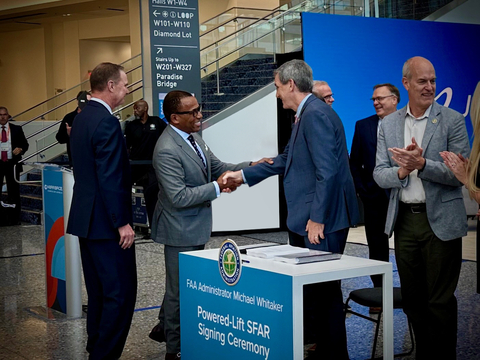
x: 140, y: 110
x: 419, y: 80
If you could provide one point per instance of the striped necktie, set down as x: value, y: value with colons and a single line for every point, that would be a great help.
x: 194, y: 144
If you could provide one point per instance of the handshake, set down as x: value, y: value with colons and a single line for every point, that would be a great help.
x: 230, y: 180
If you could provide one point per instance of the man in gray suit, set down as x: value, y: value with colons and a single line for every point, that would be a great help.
x: 426, y: 208
x: 186, y: 170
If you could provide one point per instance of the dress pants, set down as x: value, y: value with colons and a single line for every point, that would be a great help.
x: 169, y: 314
x: 375, y: 213
x: 429, y: 269
x: 111, y: 280
x: 144, y: 175
x: 324, y: 319
x: 13, y: 188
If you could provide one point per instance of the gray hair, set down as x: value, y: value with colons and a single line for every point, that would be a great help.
x: 299, y: 71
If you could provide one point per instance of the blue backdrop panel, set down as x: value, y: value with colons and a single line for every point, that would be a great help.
x: 217, y: 319
x: 355, y: 53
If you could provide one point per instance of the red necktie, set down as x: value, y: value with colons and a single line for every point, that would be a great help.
x: 4, y: 140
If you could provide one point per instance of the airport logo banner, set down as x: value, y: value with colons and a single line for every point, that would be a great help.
x: 52, y: 184
x: 249, y: 321
x: 359, y: 53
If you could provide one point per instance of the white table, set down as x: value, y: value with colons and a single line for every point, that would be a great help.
x: 344, y: 268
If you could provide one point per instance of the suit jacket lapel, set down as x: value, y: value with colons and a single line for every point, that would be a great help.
x: 187, y: 149
x: 432, y: 123
x: 293, y: 137
x: 400, y: 128
x: 374, y: 129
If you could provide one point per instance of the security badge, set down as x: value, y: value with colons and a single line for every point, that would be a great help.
x: 152, y: 127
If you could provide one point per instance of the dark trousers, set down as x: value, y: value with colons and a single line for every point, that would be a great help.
x: 13, y: 188
x: 111, y: 280
x: 324, y: 320
x: 429, y: 269
x: 375, y: 213
x: 144, y: 175
x: 169, y: 314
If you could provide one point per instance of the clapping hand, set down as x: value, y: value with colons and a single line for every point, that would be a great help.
x: 457, y: 164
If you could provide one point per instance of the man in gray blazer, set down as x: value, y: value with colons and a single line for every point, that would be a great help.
x: 426, y: 208
x: 187, y: 173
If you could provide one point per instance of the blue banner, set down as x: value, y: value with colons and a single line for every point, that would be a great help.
x: 354, y: 53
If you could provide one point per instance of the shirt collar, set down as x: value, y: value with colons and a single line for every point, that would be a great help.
x: 103, y: 103
x: 300, y: 107
x: 7, y: 126
x: 426, y: 114
x: 182, y: 133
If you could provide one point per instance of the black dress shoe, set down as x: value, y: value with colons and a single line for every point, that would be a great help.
x: 174, y: 356
x: 158, y: 334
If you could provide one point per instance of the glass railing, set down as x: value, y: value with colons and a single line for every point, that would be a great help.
x: 407, y: 9
x: 230, y: 15
x: 43, y: 131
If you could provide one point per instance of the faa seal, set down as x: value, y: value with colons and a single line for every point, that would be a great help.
x: 229, y: 262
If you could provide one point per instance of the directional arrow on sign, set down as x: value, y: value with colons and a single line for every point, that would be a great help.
x: 155, y: 13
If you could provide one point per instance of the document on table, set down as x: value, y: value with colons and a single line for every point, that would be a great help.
x: 309, y: 257
x: 269, y: 252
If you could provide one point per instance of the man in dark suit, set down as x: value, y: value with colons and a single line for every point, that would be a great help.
x: 426, y: 208
x: 63, y: 134
x: 186, y: 170
x: 13, y: 146
x: 362, y: 162
x: 101, y: 214
x: 320, y: 195
x: 141, y: 135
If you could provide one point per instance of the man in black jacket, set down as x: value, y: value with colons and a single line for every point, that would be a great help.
x: 63, y: 134
x: 13, y: 145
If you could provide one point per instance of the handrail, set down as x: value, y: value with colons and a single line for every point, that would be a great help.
x: 235, y: 7
x: 239, y: 30
x: 65, y: 103
x: 288, y: 12
x: 73, y: 87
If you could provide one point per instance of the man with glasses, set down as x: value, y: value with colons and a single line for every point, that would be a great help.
x: 322, y: 91
x: 362, y: 162
x: 189, y: 177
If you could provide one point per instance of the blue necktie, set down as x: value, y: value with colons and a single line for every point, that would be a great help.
x: 194, y: 144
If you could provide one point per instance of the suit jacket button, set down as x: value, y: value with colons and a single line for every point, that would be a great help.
x: 208, y: 203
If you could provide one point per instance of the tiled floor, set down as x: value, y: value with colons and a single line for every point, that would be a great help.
x: 24, y: 335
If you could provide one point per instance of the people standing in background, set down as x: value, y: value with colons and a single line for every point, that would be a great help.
x: 63, y: 134
x: 12, y: 146
x: 362, y: 162
x: 141, y: 135
x: 322, y: 90
x: 101, y: 214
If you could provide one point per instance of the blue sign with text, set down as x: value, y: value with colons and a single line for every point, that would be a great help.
x: 250, y: 320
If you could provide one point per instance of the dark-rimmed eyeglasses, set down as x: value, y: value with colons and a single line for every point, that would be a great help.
x: 381, y: 98
x: 193, y: 112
